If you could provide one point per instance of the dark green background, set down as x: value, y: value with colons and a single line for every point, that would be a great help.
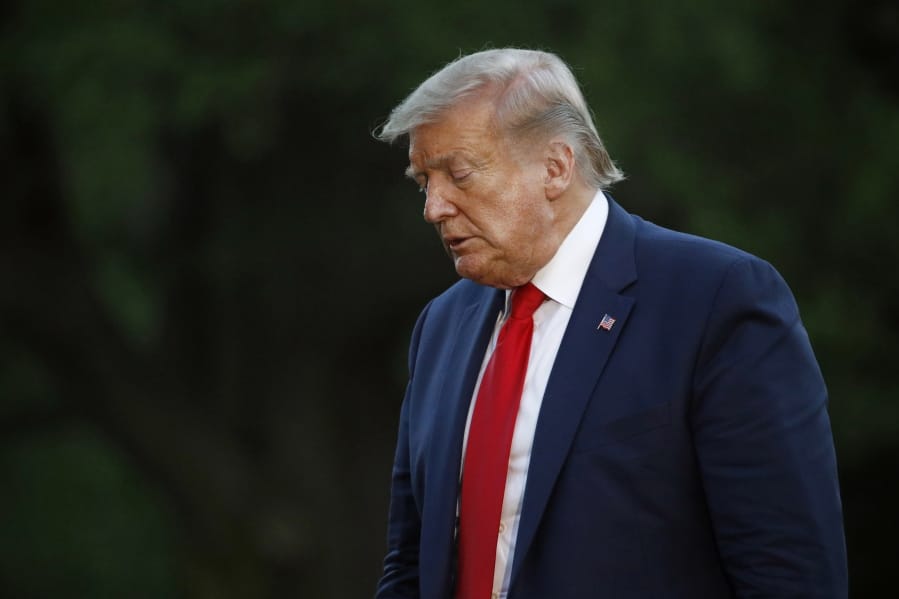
x: 209, y: 270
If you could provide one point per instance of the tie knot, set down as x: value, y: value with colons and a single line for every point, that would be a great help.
x: 525, y: 301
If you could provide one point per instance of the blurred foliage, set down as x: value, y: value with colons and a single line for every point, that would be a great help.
x: 209, y: 270
x: 78, y: 522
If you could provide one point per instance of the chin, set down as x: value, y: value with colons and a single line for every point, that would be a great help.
x: 482, y: 278
x: 467, y: 270
x: 479, y: 271
x: 474, y: 276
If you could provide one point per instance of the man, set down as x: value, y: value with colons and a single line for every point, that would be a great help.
x: 601, y: 407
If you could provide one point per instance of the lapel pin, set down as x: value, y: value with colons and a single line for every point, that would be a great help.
x: 606, y: 323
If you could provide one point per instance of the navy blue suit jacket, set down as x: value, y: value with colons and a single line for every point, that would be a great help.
x: 686, y: 452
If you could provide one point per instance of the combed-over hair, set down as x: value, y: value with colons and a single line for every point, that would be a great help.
x: 537, y: 94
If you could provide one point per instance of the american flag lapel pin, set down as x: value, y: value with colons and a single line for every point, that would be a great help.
x: 606, y: 323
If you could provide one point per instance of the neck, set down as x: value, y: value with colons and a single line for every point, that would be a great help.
x: 570, y: 208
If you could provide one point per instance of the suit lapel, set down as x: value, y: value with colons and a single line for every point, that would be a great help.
x: 469, y: 344
x: 582, y: 356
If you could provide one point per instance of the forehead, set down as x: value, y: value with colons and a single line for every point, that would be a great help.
x: 468, y: 128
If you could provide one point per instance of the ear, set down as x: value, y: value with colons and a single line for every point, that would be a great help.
x: 560, y: 168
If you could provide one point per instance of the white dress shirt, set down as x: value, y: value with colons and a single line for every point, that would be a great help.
x: 561, y: 281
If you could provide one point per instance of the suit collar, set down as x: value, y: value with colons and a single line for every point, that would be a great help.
x: 614, y: 264
x: 579, y: 364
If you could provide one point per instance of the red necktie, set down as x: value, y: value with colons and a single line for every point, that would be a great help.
x: 489, y: 443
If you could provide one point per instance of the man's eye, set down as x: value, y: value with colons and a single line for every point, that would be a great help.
x: 461, y: 176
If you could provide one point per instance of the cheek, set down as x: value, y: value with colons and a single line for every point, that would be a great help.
x: 510, y: 218
x: 528, y: 216
x: 518, y: 234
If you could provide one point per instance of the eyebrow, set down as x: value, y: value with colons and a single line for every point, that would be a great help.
x: 435, y: 163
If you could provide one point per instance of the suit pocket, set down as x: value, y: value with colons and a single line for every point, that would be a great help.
x: 632, y: 430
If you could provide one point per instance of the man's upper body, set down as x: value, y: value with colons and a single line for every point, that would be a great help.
x: 672, y: 439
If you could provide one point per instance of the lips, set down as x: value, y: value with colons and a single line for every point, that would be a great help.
x: 454, y: 243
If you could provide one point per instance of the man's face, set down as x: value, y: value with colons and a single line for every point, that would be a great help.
x: 484, y: 194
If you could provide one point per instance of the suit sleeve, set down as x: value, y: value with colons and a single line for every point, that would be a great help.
x: 400, y: 577
x: 764, y: 443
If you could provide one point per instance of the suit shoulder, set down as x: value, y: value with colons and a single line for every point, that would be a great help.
x: 461, y: 293
x: 451, y: 305
x: 663, y: 245
x: 698, y: 266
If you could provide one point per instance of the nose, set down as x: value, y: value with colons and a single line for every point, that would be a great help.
x: 438, y: 205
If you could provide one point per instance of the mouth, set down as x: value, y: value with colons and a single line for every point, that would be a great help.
x: 455, y: 243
